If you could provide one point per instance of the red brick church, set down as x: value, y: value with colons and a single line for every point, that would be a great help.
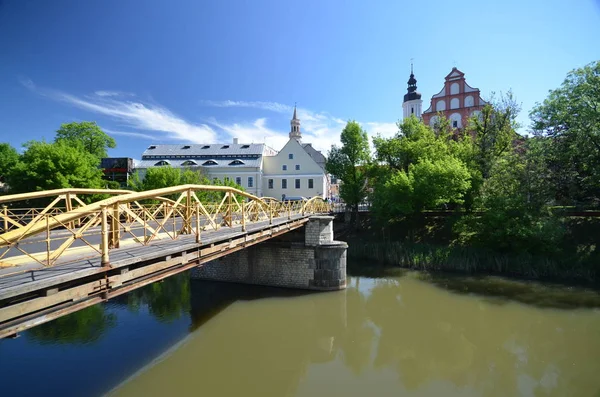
x: 457, y: 100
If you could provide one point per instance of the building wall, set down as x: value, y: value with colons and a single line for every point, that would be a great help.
x: 274, y: 170
x: 416, y: 104
x: 457, y: 101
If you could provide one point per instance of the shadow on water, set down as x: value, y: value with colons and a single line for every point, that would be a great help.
x: 494, y: 289
x: 209, y: 298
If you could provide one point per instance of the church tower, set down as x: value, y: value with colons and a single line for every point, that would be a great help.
x: 295, y: 130
x: 412, y: 99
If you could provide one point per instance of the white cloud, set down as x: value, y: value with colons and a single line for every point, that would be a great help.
x: 127, y: 133
x: 138, y: 115
x: 112, y: 93
x: 272, y: 106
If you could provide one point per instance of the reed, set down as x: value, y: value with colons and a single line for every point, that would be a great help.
x: 470, y: 260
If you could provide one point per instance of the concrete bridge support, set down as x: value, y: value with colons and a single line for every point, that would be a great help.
x: 313, y: 261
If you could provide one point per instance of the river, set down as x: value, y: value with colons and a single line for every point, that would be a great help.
x: 394, y: 334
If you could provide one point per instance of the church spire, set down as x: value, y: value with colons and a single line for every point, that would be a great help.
x: 412, y: 99
x: 412, y: 93
x: 295, y: 127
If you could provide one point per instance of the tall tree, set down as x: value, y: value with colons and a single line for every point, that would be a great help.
x: 350, y: 164
x: 86, y: 135
x: 570, y: 118
x: 46, y: 166
x: 8, y: 159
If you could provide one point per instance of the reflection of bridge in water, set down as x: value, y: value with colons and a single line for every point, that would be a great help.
x: 57, y: 260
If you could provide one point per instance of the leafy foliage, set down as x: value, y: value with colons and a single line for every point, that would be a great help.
x: 85, y: 135
x: 350, y: 164
x: 8, y: 159
x: 45, y: 166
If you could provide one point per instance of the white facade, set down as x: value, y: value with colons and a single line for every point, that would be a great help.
x: 413, y: 107
x: 292, y: 172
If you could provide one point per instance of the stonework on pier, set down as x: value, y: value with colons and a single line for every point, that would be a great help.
x: 317, y: 263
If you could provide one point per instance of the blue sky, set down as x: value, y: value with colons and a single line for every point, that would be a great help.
x: 193, y: 71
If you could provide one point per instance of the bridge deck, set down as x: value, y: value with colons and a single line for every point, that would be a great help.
x: 13, y: 283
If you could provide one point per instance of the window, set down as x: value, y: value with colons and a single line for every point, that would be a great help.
x: 297, y: 167
x: 189, y: 162
x: 210, y: 162
x: 215, y: 180
x: 225, y: 147
x: 151, y: 147
x: 311, y: 184
x: 245, y: 146
x: 284, y: 183
x: 412, y: 110
x: 236, y: 162
x: 454, y: 123
x: 226, y: 179
x: 297, y: 183
x: 469, y: 101
x: 284, y: 167
x: 250, y: 181
x: 238, y: 180
x: 454, y: 89
x: 161, y: 163
x: 291, y: 156
x: 454, y: 103
x: 270, y: 183
x: 186, y: 147
x: 206, y: 147
x: 440, y: 106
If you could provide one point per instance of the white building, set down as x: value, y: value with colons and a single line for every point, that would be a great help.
x: 297, y: 170
x: 241, y: 163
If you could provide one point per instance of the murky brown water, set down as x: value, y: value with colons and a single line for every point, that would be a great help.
x: 393, y: 336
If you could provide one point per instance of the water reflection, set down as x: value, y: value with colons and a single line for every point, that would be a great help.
x: 401, y: 333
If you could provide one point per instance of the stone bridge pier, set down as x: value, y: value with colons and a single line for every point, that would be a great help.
x: 306, y: 258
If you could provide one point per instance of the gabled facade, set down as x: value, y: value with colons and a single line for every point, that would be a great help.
x: 297, y: 170
x: 457, y: 100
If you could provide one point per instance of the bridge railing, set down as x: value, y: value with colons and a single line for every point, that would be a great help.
x: 94, y: 229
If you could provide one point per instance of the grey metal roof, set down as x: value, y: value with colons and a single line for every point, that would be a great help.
x: 316, y: 155
x: 229, y: 149
x: 177, y: 163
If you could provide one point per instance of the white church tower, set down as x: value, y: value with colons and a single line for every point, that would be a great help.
x: 412, y: 99
x: 295, y: 130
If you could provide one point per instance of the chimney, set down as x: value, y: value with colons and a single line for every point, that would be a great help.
x: 235, y: 141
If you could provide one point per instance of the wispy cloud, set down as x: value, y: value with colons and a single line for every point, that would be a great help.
x: 319, y: 128
x: 113, y: 93
x: 135, y: 114
x: 272, y: 106
x: 127, y: 133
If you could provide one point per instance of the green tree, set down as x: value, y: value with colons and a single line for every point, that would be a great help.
x: 45, y: 166
x: 86, y: 135
x: 350, y: 164
x: 8, y: 159
x: 569, y: 118
x: 418, y: 170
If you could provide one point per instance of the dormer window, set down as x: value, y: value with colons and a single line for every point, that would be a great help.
x: 188, y: 163
x: 225, y: 147
x: 151, y: 147
x: 209, y: 162
x: 186, y: 147
x: 206, y: 147
x: 161, y: 163
x: 237, y: 162
x: 245, y: 147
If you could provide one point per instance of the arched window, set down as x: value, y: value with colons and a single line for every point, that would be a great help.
x: 469, y: 101
x: 432, y: 121
x: 209, y: 162
x: 454, y: 89
x: 188, y: 163
x: 161, y: 163
x: 456, y: 120
x: 237, y: 162
x: 454, y: 103
x: 440, y: 106
x: 477, y: 114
